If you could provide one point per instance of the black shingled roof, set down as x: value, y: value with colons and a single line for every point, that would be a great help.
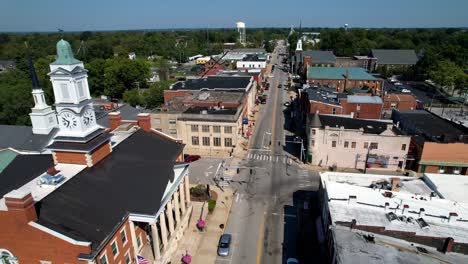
x: 22, y: 138
x: 132, y: 179
x: 369, y: 126
x: 214, y: 82
x: 395, y: 56
x: 23, y: 169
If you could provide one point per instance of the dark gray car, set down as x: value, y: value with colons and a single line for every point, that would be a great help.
x: 224, y: 245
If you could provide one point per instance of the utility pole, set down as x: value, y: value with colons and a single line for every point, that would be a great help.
x: 367, y: 158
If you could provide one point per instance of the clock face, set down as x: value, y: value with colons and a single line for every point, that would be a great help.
x: 69, y: 120
x: 88, y: 117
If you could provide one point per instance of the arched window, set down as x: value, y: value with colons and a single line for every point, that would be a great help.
x: 334, y: 135
x: 6, y: 257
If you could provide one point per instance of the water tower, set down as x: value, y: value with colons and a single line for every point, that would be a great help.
x: 241, y: 30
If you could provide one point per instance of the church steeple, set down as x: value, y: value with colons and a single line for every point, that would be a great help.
x: 72, y: 96
x: 43, y: 117
x: 32, y: 71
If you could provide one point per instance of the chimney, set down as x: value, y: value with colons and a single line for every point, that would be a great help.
x: 450, y: 216
x: 22, y: 205
x: 404, y: 208
x: 395, y: 184
x: 421, y: 212
x: 52, y: 171
x: 352, y: 199
x: 353, y: 224
x: 448, y: 245
x: 387, y: 204
x: 144, y: 121
x: 115, y: 119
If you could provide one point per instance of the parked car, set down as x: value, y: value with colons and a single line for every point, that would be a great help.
x: 224, y: 245
x: 292, y: 261
x: 287, y: 104
x: 405, y: 91
x: 191, y: 158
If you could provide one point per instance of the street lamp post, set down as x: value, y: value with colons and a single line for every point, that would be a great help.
x: 367, y: 157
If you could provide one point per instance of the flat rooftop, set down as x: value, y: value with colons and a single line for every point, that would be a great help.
x: 210, y: 111
x: 448, y: 186
x: 431, y: 124
x: 368, y: 126
x: 214, y: 83
x: 398, y: 211
x: 353, y: 247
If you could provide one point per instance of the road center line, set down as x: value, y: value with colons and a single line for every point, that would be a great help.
x: 260, y: 239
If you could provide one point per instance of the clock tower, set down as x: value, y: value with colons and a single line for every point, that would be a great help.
x: 79, y: 135
x: 73, y: 103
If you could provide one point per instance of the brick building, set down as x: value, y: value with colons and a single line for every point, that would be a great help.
x: 95, y: 195
x: 209, y: 122
x: 343, y: 79
x: 364, y: 217
x: 345, y: 142
x: 445, y: 158
x: 399, y: 101
x: 328, y: 102
x: 424, y: 126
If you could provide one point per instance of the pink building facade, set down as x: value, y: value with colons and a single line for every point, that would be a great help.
x: 344, y: 143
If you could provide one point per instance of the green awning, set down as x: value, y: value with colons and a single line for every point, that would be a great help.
x: 443, y: 163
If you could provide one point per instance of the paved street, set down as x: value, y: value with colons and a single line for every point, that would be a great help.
x: 263, y: 219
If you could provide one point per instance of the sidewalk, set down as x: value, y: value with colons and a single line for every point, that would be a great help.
x: 203, y: 245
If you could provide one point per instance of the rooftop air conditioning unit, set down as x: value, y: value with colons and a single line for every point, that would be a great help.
x: 52, y: 180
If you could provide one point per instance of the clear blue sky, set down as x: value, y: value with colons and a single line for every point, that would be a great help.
x: 47, y: 15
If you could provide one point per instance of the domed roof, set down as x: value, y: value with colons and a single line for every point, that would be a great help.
x: 65, y: 54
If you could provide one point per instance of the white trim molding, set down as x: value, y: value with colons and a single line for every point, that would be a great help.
x: 58, y: 235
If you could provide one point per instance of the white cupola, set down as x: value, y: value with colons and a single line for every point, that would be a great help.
x: 43, y: 117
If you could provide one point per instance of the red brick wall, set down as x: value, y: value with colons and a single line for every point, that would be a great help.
x: 120, y: 257
x: 169, y: 94
x: 101, y: 153
x: 31, y: 245
x: 400, y: 105
x: 323, y: 108
x: 70, y: 157
x: 366, y: 111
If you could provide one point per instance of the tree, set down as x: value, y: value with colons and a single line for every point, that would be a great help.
x: 447, y: 74
x: 96, y: 77
x: 132, y: 97
x: 122, y: 74
x: 154, y: 97
x: 15, y: 98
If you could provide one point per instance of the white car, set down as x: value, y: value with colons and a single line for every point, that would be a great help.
x: 405, y: 91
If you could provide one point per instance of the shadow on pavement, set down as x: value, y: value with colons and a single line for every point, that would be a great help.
x: 300, y: 234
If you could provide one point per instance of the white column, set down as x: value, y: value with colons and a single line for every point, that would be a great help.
x: 162, y: 225
x: 154, y: 234
x: 176, y: 206
x: 134, y: 240
x: 170, y: 217
x: 182, y: 197
x: 187, y: 189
